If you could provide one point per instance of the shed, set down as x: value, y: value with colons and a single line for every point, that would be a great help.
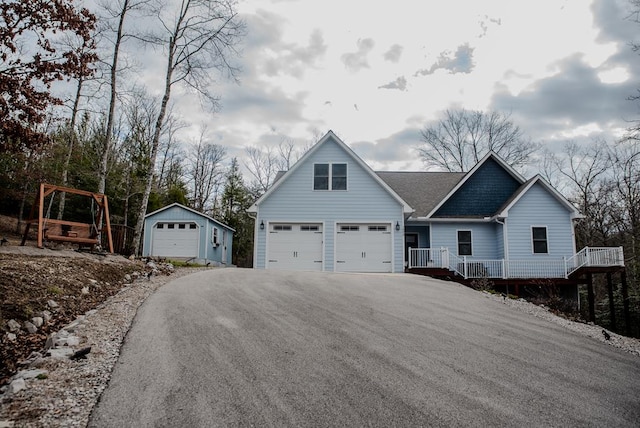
x: 181, y: 233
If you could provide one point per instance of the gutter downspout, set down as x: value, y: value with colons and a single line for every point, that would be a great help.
x: 505, y: 241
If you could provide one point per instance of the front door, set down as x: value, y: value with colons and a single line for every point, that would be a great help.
x: 410, y: 241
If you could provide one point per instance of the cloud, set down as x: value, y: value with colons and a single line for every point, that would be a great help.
x: 358, y: 60
x: 394, y: 53
x: 400, y: 83
x: 485, y: 22
x: 461, y: 62
x: 395, y: 148
x: 574, y: 98
x: 269, y: 55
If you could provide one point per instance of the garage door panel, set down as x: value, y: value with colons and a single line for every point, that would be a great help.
x: 175, y: 241
x: 363, y: 248
x: 295, y: 246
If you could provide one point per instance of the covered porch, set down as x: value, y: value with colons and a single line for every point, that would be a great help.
x: 442, y: 259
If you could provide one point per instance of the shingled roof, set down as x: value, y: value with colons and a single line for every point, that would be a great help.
x: 421, y: 190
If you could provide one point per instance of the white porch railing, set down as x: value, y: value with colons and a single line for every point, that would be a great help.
x: 550, y: 268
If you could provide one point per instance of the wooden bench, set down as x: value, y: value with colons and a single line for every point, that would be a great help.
x: 70, y: 231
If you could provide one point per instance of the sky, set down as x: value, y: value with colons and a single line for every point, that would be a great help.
x: 376, y: 73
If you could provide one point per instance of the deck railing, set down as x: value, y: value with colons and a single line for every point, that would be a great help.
x: 468, y: 267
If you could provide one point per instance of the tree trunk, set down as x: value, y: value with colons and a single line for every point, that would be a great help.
x: 72, y: 139
x: 154, y: 150
x: 102, y: 174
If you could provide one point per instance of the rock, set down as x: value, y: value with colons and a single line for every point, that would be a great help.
x: 93, y: 282
x: 50, y: 341
x: 127, y: 278
x: 37, y: 321
x: 30, y: 327
x: 10, y: 337
x: 13, y: 325
x: 45, y: 315
x: 53, y: 304
x: 152, y: 266
x: 60, y: 353
x: 73, y: 341
x: 16, y: 386
x: 85, y: 290
x: 31, y: 374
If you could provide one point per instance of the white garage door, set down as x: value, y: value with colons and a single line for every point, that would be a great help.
x: 175, y: 239
x: 295, y: 246
x: 363, y: 248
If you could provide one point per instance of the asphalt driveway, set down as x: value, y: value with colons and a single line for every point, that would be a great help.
x: 238, y: 347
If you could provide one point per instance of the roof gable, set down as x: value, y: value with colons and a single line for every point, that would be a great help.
x: 178, y: 205
x: 328, y: 138
x: 503, y: 212
x: 482, y: 191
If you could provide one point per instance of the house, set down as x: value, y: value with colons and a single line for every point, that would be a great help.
x: 181, y: 233
x: 332, y: 212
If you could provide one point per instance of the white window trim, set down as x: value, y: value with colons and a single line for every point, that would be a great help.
x: 458, y: 242
x: 330, y: 185
x: 546, y: 228
x: 214, y: 237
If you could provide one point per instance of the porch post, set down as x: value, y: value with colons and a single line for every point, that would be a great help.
x: 612, y: 306
x: 625, y: 303
x: 409, y: 256
x: 504, y: 272
x: 445, y: 257
x: 591, y: 298
x: 464, y: 262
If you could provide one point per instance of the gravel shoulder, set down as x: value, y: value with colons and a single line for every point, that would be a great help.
x: 67, y: 394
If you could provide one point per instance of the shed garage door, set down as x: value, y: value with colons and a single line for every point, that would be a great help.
x: 363, y: 248
x: 295, y: 246
x: 175, y: 239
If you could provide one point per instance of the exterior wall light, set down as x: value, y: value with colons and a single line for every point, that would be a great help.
x: 262, y: 225
x: 397, y: 226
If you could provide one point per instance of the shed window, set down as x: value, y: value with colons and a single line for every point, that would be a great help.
x: 192, y: 225
x: 214, y: 236
x: 182, y: 226
x: 539, y: 239
x: 464, y: 243
x: 171, y: 225
x: 328, y: 176
x: 160, y: 226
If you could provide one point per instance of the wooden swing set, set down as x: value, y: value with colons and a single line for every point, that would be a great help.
x: 83, y: 234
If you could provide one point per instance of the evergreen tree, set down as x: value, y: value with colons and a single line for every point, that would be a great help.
x: 235, y: 201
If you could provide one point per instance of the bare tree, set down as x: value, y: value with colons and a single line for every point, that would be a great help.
x: 263, y: 166
x: 206, y: 171
x: 198, y: 37
x: 116, y: 11
x: 586, y: 168
x: 459, y: 140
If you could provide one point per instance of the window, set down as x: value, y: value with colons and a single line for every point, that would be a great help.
x: 349, y: 228
x: 182, y: 226
x: 282, y: 227
x: 171, y: 225
x: 214, y: 236
x: 321, y: 176
x: 309, y: 228
x: 377, y: 228
x: 160, y: 226
x: 192, y: 225
x: 339, y: 176
x: 327, y: 176
x: 464, y: 242
x: 539, y: 238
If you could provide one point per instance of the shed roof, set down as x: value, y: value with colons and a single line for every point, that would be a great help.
x: 178, y: 205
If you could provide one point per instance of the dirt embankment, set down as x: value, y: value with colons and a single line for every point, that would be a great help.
x: 31, y: 278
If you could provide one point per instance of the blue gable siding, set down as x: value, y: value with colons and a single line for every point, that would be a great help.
x: 484, y: 238
x: 365, y: 200
x: 539, y: 208
x: 482, y: 194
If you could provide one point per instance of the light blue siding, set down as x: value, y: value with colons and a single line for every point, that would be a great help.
x: 365, y: 200
x: 207, y: 252
x: 539, y: 208
x: 484, y: 237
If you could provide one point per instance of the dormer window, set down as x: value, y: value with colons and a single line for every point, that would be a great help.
x: 330, y: 176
